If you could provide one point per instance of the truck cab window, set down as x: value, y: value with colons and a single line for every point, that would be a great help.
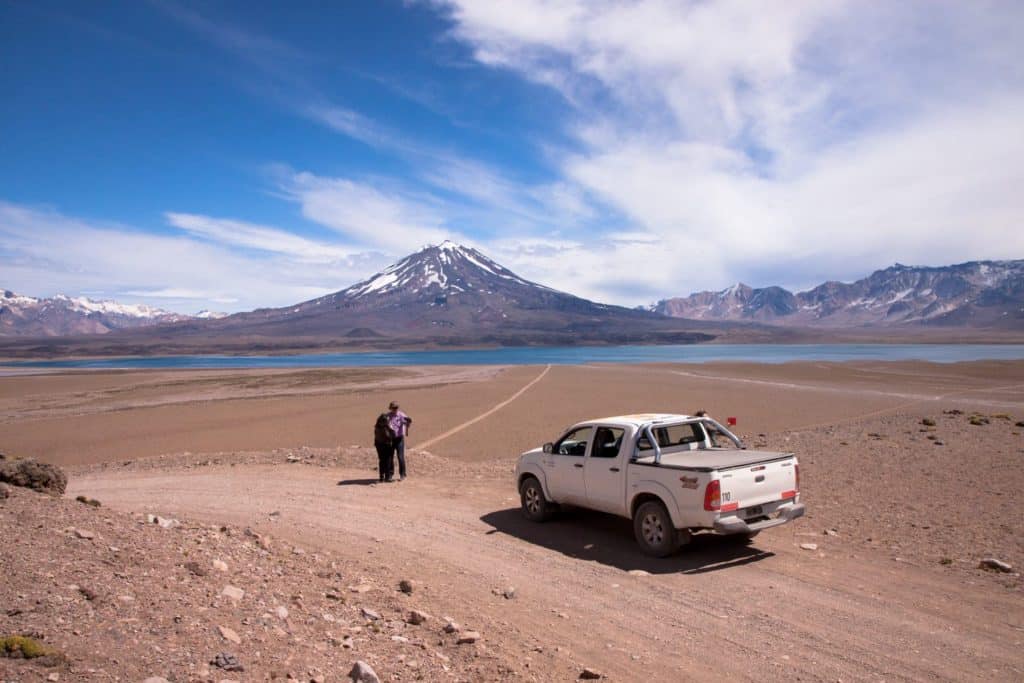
x: 607, y: 441
x: 674, y: 435
x: 574, y: 443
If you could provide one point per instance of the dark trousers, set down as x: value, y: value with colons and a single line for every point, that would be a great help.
x: 400, y: 450
x: 385, y: 460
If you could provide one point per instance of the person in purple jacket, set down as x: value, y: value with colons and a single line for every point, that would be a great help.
x: 399, y: 423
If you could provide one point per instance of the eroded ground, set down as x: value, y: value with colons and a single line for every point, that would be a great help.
x: 901, y: 512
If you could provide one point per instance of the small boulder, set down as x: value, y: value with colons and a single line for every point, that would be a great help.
x: 220, y: 565
x: 589, y: 674
x: 229, y: 635
x: 992, y: 564
x: 370, y: 614
x: 38, y: 476
x: 233, y: 592
x: 85, y: 500
x: 809, y: 546
x: 5, y: 491
x: 468, y: 638
x: 451, y: 626
x: 406, y: 586
x: 363, y: 673
x: 416, y: 617
x: 195, y: 568
x: 85, y: 534
x: 227, y: 662
x: 281, y: 611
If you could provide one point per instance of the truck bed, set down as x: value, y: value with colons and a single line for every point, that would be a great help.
x: 706, y: 460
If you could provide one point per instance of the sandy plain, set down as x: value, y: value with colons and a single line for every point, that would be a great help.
x: 893, y: 591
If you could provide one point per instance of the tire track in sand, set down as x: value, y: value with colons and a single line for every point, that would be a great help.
x: 455, y: 430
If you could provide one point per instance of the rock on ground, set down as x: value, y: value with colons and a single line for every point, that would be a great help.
x: 363, y: 673
x: 995, y: 565
x: 416, y: 617
x: 38, y: 476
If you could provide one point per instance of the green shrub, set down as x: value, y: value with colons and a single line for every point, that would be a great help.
x: 19, y: 647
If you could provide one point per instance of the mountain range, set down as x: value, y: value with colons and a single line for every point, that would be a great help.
x: 450, y: 295
x: 26, y: 316
x: 976, y: 294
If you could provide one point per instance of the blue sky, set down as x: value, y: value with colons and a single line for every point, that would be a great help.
x: 235, y: 155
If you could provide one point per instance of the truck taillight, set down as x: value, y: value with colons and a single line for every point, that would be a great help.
x: 713, y: 496
x: 796, y: 471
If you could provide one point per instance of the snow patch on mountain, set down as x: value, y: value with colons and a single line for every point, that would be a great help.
x: 977, y: 293
x: 438, y: 269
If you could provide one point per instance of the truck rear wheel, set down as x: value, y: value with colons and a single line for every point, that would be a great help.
x: 654, y: 531
x: 536, y: 507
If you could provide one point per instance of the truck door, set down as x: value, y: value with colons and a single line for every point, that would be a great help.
x: 564, y: 467
x: 604, y: 473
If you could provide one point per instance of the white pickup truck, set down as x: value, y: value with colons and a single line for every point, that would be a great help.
x: 668, y: 473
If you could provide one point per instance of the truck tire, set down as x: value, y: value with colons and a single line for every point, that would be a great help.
x: 654, y: 531
x: 536, y: 507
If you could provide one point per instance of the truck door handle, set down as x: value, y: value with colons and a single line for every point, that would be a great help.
x: 577, y: 464
x: 613, y: 469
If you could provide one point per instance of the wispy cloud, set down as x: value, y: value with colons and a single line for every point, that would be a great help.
x: 44, y: 252
x: 259, y: 237
x: 359, y: 127
x: 244, y: 43
x: 796, y: 141
x: 375, y: 215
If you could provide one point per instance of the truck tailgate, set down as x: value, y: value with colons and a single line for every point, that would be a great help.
x: 753, y: 485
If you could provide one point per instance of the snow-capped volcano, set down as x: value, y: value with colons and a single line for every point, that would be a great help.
x: 452, y: 294
x: 27, y: 316
x: 447, y: 268
x: 449, y: 281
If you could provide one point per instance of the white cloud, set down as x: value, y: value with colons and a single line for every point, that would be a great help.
x: 385, y: 217
x: 784, y: 141
x: 260, y: 237
x: 359, y: 127
x: 43, y: 252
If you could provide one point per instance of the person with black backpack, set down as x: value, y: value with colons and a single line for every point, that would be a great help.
x: 384, y: 442
x: 399, y: 423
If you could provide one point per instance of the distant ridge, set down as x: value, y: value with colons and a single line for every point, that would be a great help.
x: 60, y: 315
x: 976, y: 294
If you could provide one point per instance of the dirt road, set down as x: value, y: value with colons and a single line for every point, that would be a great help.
x: 769, y: 611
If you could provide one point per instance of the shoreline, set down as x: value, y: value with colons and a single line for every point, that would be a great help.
x: 509, y: 355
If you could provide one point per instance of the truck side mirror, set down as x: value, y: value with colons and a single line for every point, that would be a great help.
x: 549, y: 447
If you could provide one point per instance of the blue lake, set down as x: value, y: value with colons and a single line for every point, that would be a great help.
x: 697, y: 353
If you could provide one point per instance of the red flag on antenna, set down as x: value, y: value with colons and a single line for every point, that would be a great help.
x: 731, y: 421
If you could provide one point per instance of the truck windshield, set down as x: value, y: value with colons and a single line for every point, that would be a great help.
x: 673, y: 435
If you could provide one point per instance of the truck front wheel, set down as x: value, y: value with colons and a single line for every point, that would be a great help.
x: 654, y: 531
x: 536, y: 507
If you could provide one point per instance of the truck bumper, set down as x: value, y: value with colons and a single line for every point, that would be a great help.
x: 735, y: 525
